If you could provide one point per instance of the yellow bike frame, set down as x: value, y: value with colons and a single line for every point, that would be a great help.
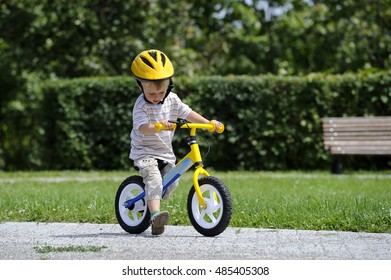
x: 194, y: 155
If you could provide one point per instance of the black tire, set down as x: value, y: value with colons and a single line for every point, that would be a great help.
x: 134, y: 220
x: 216, y: 217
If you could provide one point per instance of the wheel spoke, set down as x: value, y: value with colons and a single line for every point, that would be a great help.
x: 212, y: 218
x: 215, y: 205
x: 134, y: 214
x: 202, y: 214
x: 215, y: 198
x: 124, y: 211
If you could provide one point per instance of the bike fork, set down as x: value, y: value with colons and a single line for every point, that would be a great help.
x: 199, y: 170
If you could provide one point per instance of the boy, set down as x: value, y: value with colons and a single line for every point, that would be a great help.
x: 153, y: 72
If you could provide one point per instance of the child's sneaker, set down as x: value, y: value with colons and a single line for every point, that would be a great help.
x: 158, y: 221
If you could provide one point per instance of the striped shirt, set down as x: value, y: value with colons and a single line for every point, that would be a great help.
x: 157, y: 145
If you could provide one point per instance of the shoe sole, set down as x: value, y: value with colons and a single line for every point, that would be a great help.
x: 158, y: 222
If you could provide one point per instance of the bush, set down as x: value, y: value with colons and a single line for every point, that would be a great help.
x: 88, y: 121
x: 272, y: 122
x: 275, y: 122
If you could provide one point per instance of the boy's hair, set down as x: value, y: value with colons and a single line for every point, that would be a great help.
x: 158, y: 84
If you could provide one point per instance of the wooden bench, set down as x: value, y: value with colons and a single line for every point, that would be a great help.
x: 356, y: 136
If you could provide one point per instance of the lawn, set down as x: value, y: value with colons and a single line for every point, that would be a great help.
x: 289, y: 200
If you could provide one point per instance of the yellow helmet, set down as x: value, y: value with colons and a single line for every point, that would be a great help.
x: 152, y: 65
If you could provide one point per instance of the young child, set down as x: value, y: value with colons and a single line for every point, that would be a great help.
x: 153, y: 72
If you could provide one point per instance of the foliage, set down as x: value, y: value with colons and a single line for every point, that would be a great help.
x: 20, y: 126
x: 275, y: 122
x: 272, y: 122
x: 93, y: 38
x: 45, y: 39
x: 334, y: 36
x: 87, y: 123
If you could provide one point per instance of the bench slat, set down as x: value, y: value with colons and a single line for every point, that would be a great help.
x: 358, y: 128
x: 333, y: 124
x: 368, y: 150
x: 356, y: 119
x: 357, y: 143
x: 358, y: 139
x: 355, y: 133
x: 344, y: 136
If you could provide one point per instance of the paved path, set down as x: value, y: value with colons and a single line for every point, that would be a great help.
x: 20, y: 241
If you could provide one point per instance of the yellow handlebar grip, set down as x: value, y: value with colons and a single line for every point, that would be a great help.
x: 213, y: 127
x: 221, y: 129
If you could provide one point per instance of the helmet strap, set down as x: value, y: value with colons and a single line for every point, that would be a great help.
x: 169, y: 88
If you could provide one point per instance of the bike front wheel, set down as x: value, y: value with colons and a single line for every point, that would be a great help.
x: 134, y: 219
x: 213, y: 219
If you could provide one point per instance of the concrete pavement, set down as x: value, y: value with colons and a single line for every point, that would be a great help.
x: 24, y: 241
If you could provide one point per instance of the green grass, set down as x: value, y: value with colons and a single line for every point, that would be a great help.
x: 291, y: 200
x: 50, y: 249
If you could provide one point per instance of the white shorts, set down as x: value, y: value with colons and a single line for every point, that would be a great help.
x: 152, y: 177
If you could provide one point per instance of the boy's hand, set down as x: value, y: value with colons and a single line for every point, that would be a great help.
x: 168, y: 125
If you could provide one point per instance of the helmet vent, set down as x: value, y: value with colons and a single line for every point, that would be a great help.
x: 163, y: 59
x: 153, y: 55
x: 146, y: 61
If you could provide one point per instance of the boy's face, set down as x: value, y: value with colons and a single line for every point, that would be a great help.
x: 154, y: 93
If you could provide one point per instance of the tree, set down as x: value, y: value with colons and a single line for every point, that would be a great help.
x: 335, y: 36
x: 49, y: 39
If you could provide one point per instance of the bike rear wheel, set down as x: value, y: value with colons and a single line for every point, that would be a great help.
x: 135, y: 219
x: 215, y: 218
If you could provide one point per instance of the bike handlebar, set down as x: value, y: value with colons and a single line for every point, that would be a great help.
x: 209, y: 126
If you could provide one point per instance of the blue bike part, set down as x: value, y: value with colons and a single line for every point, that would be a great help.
x: 129, y: 203
x: 168, y: 179
x: 175, y: 173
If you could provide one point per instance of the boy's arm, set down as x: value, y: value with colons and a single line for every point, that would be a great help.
x: 194, y: 117
x: 147, y: 128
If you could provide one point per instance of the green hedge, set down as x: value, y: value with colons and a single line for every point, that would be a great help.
x: 87, y: 123
x: 275, y: 122
x: 272, y: 122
